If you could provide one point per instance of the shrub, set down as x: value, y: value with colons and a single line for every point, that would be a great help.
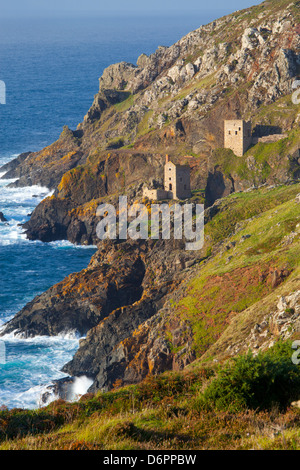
x: 259, y: 382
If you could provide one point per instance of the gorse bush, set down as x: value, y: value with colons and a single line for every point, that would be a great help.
x: 259, y: 382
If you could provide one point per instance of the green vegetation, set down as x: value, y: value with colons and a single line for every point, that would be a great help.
x: 143, y: 127
x: 240, y: 207
x: 252, y: 228
x: 260, y: 382
x: 125, y: 104
x: 234, y: 406
x: 198, y: 85
x: 115, y: 143
x: 257, y: 163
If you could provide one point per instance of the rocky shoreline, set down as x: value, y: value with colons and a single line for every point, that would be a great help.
x: 108, y: 302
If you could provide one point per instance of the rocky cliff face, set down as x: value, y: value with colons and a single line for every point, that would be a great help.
x: 125, y: 285
x: 81, y: 301
x: 149, y: 306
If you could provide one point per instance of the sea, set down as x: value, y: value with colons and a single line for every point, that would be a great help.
x: 51, y: 69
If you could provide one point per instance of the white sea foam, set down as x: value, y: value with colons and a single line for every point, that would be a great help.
x: 32, y: 398
x: 47, y: 354
x: 31, y: 362
x: 23, y: 195
x: 43, y: 395
x: 16, y: 205
x: 67, y: 244
x: 16, y: 335
x: 80, y: 386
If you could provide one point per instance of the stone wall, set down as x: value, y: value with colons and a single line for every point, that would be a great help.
x: 170, y: 181
x: 269, y: 139
x: 183, y: 184
x: 155, y: 194
x: 177, y: 181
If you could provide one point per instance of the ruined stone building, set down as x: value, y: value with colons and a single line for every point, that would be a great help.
x: 177, y: 180
x: 177, y: 183
x: 237, y: 136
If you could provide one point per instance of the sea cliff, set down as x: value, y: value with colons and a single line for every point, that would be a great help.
x: 149, y: 306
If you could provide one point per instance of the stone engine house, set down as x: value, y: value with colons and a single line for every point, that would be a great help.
x: 177, y: 180
x: 177, y: 183
x: 237, y: 136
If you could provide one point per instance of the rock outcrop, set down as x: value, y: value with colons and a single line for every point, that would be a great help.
x: 2, y: 217
x: 82, y: 300
x: 281, y: 323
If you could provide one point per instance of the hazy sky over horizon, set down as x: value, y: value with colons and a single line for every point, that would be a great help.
x: 78, y: 8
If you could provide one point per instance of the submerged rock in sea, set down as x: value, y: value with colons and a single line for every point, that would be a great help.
x: 58, y: 389
x: 67, y: 389
x: 2, y: 218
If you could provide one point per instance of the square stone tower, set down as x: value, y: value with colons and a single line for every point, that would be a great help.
x: 237, y: 136
x: 177, y: 180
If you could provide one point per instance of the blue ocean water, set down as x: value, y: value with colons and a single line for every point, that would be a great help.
x: 51, y: 70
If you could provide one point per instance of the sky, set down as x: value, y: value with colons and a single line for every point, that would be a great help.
x: 78, y: 8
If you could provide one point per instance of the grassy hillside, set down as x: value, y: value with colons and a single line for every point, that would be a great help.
x: 253, y: 246
x: 224, y: 399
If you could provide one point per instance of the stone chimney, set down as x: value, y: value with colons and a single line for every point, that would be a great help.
x: 167, y: 158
